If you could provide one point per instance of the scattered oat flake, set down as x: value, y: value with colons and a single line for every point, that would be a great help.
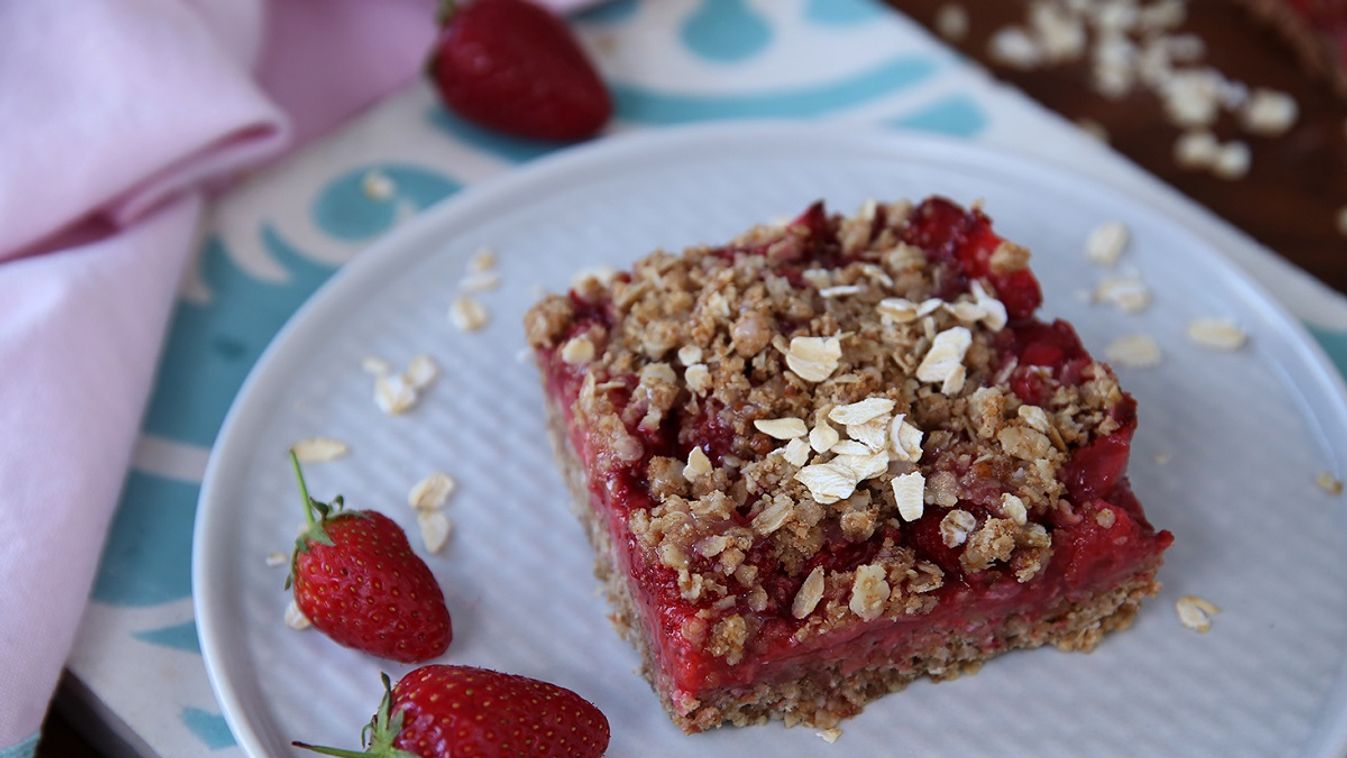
x: 814, y: 358
x: 929, y: 306
x: 951, y: 22
x: 781, y: 428
x: 830, y: 735
x: 850, y: 447
x: 774, y: 516
x: 375, y: 366
x: 277, y: 558
x: 1197, y: 150
x: 1269, y: 113
x: 319, y: 449
x: 480, y: 281
x: 1034, y: 417
x: 1134, y: 351
x: 905, y: 440
x: 1012, y: 46
x: 482, y: 260
x: 869, y: 591
x: 1106, y: 243
x: 1216, y: 333
x: 393, y: 394
x: 822, y: 437
x: 796, y: 452
x: 993, y: 311
x: 1196, y: 613
x: 811, y: 591
x: 861, y: 412
x: 1233, y: 161
x: 577, y: 350
x: 295, y: 618
x: 1012, y: 507
x: 467, y: 314
x: 421, y: 371
x: 866, y: 466
x: 377, y: 185
x: 827, y: 482
x: 435, y: 528
x: 432, y: 492
x: 956, y: 526
x: 1126, y: 293
x: 946, y: 353
x: 840, y: 290
x: 900, y: 310
x: 954, y: 382
x: 698, y: 465
x: 1161, y: 458
x: 1328, y: 483
x: 873, y: 433
x: 909, y: 491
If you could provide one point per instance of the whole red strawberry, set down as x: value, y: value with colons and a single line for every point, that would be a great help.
x: 357, y: 580
x: 513, y: 66
x: 439, y: 711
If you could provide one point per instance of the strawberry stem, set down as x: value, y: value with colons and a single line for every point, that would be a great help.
x: 381, y: 732
x: 303, y: 487
x: 331, y: 750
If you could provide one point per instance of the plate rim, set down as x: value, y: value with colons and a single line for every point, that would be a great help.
x: 392, y: 247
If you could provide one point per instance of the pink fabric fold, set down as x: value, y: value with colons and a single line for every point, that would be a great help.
x: 117, y: 119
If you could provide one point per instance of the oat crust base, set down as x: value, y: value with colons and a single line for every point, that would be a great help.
x: 825, y: 696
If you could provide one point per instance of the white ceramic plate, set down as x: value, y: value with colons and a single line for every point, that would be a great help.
x: 1246, y: 433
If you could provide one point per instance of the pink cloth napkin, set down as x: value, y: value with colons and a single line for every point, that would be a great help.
x: 116, y: 119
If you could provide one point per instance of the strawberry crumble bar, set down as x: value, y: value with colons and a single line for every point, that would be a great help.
x: 834, y: 456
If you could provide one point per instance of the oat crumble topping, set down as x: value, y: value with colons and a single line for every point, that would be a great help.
x: 1196, y: 613
x: 319, y: 449
x: 1328, y: 483
x: 467, y: 314
x: 435, y: 528
x: 295, y: 618
x: 1106, y: 243
x: 431, y: 492
x: 802, y: 418
x: 1217, y: 334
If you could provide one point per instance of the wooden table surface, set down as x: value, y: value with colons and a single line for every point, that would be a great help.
x: 1289, y: 200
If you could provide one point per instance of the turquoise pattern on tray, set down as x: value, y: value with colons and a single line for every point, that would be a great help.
x: 1334, y: 343
x: 210, y: 728
x: 726, y: 31
x: 649, y: 106
x: 956, y: 115
x: 148, y: 557
x: 346, y: 211
x: 212, y: 345
x: 505, y: 147
x: 842, y: 12
x: 178, y: 637
x: 24, y: 749
x: 608, y: 13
